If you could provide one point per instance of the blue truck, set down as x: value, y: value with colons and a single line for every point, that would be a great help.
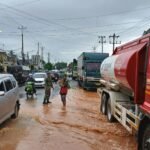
x: 88, y: 68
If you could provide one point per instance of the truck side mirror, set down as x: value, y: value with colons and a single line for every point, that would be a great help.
x: 82, y: 67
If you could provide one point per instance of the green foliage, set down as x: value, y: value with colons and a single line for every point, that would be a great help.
x: 43, y: 62
x: 70, y: 65
x: 61, y: 65
x: 48, y: 66
x: 1, y: 69
x: 146, y: 32
x: 32, y: 67
x: 11, y: 53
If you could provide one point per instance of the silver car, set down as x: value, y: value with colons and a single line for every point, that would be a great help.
x: 9, y: 97
x: 39, y: 78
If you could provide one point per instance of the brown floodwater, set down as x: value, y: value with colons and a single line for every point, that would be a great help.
x: 79, y: 126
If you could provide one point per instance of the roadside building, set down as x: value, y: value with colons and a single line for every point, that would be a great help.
x: 12, y: 59
x: 36, y: 61
x: 3, y: 61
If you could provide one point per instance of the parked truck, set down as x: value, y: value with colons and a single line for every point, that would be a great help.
x: 88, y: 68
x: 74, y: 69
x: 125, y: 96
x: 19, y: 72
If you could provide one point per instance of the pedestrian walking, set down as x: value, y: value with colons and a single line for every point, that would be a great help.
x: 64, y: 85
x: 48, y: 86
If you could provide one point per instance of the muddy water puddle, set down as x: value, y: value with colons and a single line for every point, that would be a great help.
x: 79, y: 126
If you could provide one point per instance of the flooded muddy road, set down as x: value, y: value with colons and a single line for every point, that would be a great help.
x: 79, y: 126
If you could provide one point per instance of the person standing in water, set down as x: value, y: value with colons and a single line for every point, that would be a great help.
x: 48, y: 86
x: 64, y: 85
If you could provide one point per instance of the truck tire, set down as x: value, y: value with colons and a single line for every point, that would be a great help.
x: 146, y: 138
x: 79, y: 83
x: 104, y: 104
x: 110, y: 116
x: 83, y: 85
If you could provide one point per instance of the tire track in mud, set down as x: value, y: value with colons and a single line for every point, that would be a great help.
x: 87, y: 134
x: 101, y: 131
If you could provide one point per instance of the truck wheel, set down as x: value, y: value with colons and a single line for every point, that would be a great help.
x: 83, y: 86
x: 16, y: 111
x: 27, y: 96
x: 110, y: 116
x: 146, y: 138
x: 79, y: 83
x: 103, y: 103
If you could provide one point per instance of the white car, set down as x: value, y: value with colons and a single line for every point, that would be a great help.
x: 39, y: 78
x: 9, y: 97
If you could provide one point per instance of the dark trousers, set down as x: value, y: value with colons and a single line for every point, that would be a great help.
x: 63, y: 99
x: 47, y: 95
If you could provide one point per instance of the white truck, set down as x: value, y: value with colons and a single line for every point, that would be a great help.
x: 125, y: 95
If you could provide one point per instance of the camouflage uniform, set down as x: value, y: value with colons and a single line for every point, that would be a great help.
x: 48, y: 86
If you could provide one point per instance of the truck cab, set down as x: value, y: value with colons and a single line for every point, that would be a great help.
x: 89, y: 69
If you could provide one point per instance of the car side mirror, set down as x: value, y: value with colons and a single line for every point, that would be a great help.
x: 2, y: 93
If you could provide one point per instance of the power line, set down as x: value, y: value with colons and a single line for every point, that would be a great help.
x: 104, y: 15
x: 40, y: 18
x: 45, y: 20
x: 29, y: 2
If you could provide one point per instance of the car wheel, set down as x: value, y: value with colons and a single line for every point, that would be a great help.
x: 16, y: 111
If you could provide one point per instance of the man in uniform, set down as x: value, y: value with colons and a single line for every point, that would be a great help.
x: 48, y: 86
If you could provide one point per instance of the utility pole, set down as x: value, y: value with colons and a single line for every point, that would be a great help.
x: 28, y: 57
x: 38, y: 55
x: 42, y: 50
x: 102, y: 41
x: 38, y: 51
x: 48, y: 57
x: 3, y: 46
x: 22, y: 28
x: 114, y: 41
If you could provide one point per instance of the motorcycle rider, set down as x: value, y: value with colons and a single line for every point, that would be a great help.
x: 31, y: 79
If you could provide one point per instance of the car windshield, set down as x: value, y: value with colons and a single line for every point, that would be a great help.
x: 39, y: 75
x: 93, y: 67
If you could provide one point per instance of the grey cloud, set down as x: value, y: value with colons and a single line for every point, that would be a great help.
x: 67, y: 27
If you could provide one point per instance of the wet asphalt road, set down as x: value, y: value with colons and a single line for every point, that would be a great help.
x: 79, y: 126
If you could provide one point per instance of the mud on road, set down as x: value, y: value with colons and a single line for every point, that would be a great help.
x: 79, y: 126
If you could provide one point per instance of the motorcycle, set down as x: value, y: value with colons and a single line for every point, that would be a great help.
x: 29, y: 89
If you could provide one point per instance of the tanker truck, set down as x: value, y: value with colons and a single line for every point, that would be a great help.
x: 125, y: 95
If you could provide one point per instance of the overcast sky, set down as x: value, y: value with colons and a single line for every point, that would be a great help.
x: 68, y: 27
